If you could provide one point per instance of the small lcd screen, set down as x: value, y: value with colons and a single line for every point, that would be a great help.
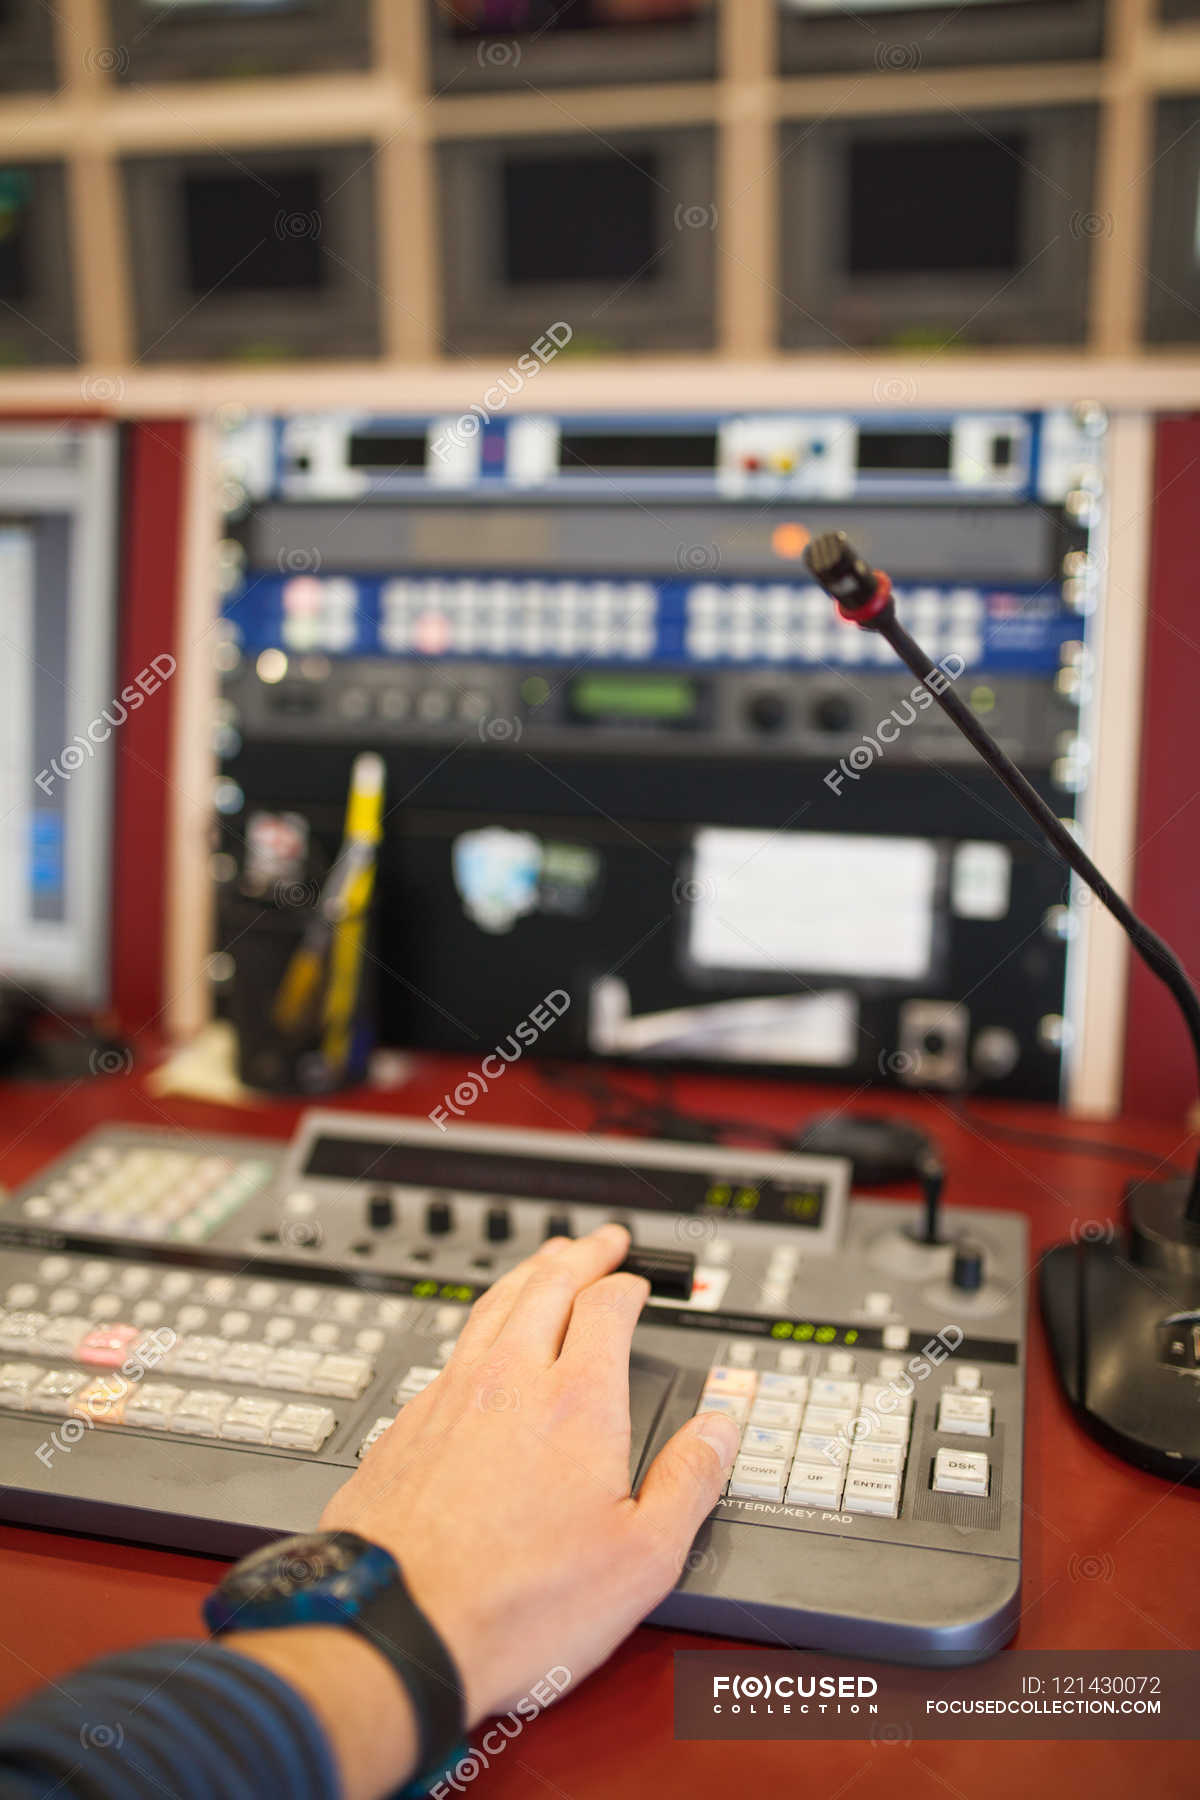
x: 247, y: 233
x: 922, y: 452
x: 386, y: 450
x: 476, y: 18
x: 15, y: 191
x: 943, y: 205
x: 655, y: 699
x: 613, y: 1185
x: 580, y: 218
x: 593, y: 450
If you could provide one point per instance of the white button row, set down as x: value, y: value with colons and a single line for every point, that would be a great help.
x: 162, y: 1406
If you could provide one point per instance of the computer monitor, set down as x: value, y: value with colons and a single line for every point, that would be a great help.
x: 513, y: 43
x: 186, y: 40
x: 818, y: 35
x: 918, y: 232
x: 1173, y: 276
x: 37, y: 310
x: 258, y: 255
x: 612, y: 237
x: 59, y: 713
x: 26, y: 46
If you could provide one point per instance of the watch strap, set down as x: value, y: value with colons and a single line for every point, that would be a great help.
x: 393, y: 1622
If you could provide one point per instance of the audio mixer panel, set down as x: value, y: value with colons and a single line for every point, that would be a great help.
x: 199, y: 1339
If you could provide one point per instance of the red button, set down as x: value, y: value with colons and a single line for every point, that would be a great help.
x: 107, y: 1346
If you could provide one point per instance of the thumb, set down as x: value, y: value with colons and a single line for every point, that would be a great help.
x: 685, y: 1480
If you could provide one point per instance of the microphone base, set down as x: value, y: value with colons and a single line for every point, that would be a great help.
x: 1161, y: 1236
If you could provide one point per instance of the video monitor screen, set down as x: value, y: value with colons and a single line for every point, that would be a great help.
x: 246, y: 233
x: 590, y: 217
x: 942, y: 205
x: 479, y: 18
x: 15, y: 195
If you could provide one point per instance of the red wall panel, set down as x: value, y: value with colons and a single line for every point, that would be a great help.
x: 152, y: 537
x: 1160, y: 1071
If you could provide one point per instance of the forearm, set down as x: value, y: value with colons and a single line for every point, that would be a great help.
x: 355, y: 1695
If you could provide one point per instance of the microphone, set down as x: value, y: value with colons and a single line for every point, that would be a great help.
x: 1165, y: 1215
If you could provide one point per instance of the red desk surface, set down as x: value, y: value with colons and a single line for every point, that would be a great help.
x: 1110, y: 1554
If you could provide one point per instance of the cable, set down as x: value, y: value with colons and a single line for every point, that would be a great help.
x: 864, y: 596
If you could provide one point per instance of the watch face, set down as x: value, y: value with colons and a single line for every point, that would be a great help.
x: 294, y: 1564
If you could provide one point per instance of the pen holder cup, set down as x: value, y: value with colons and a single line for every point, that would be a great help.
x: 300, y: 995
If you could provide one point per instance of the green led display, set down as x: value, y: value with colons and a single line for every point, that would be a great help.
x: 633, y: 697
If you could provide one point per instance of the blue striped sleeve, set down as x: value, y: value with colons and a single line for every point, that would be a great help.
x: 174, y: 1721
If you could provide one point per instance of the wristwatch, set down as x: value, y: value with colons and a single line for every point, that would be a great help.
x: 339, y: 1578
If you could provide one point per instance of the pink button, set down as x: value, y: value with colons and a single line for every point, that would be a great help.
x: 107, y: 1346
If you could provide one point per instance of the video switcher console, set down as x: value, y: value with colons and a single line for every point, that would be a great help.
x: 200, y: 1336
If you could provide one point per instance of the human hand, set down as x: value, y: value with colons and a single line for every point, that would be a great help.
x: 503, y: 1489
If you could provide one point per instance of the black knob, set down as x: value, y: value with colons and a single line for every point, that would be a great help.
x: 832, y: 713
x: 498, y: 1225
x: 438, y: 1218
x: 967, y: 1272
x: 558, y: 1225
x: 767, y: 710
x: 381, y: 1212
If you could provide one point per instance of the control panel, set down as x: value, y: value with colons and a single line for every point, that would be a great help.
x: 200, y: 1338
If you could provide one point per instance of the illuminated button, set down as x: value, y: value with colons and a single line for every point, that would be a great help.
x: 102, y: 1401
x: 107, y: 1345
x: 895, y: 1337
x: 960, y: 1472
x: 969, y: 1414
x: 812, y: 1484
x: 755, y: 1478
x: 877, y: 1495
x: 725, y: 1380
x: 968, y: 1377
